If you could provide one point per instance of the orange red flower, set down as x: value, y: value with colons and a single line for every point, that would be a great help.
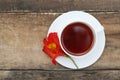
x: 52, y: 47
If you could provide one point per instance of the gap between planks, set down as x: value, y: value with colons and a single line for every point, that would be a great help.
x: 44, y: 70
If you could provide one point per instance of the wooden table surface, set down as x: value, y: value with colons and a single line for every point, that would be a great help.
x: 24, y: 24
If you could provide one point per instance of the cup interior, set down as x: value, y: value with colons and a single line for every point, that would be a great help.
x: 77, y: 38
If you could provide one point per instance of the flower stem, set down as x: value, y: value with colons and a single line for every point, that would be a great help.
x: 73, y: 61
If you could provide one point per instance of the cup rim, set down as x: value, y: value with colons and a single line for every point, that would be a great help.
x: 84, y: 53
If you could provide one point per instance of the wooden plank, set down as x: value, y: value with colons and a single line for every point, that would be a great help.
x: 21, y: 36
x: 60, y: 75
x: 58, y: 5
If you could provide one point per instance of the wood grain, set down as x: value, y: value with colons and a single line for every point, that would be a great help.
x: 60, y: 75
x: 58, y: 5
x: 21, y: 36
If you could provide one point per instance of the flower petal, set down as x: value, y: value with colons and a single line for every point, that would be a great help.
x: 52, y: 47
x: 54, y: 61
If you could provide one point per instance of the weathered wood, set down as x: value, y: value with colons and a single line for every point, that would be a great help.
x: 58, y: 5
x: 60, y: 75
x: 21, y: 36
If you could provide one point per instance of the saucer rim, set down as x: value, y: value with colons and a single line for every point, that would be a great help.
x: 103, y: 45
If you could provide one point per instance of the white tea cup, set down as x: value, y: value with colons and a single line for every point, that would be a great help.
x: 79, y: 17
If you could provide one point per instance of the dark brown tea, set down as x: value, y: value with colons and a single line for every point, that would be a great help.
x: 77, y: 38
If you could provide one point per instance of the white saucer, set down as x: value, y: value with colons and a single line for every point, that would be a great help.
x: 89, y: 58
